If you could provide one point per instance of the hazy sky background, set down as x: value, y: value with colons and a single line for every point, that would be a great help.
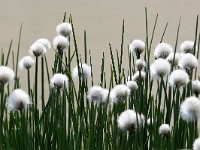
x: 102, y: 19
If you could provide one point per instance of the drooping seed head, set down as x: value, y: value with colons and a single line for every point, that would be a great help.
x: 60, y: 43
x: 85, y: 71
x: 37, y: 49
x: 162, y: 50
x: 64, y: 29
x: 159, y: 68
x: 175, y: 58
x: 140, y: 64
x: 136, y: 46
x: 178, y: 78
x: 45, y: 42
x: 119, y: 93
x: 18, y: 100
x: 196, y: 87
x: 189, y: 109
x: 59, y: 81
x: 6, y: 74
x: 26, y: 62
x: 139, y: 75
x: 164, y: 129
x: 187, y: 47
x: 132, y: 85
x: 188, y: 61
x: 196, y: 144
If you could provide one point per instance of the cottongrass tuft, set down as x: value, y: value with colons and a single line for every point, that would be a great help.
x: 188, y: 61
x: 64, y: 29
x: 26, y: 62
x: 59, y: 81
x: 140, y: 64
x: 60, y: 43
x: 187, y: 47
x: 132, y: 85
x: 45, y: 42
x: 164, y: 129
x: 129, y: 120
x: 178, y: 78
x: 189, y: 109
x: 119, y: 93
x: 85, y: 71
x: 18, y: 100
x: 196, y: 87
x: 175, y: 58
x: 196, y: 144
x: 149, y: 121
x: 37, y: 49
x: 139, y: 75
x: 97, y: 95
x: 159, y: 68
x: 162, y: 50
x: 136, y: 46
x: 6, y: 74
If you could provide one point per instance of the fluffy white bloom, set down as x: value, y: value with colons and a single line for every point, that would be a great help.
x: 159, y: 68
x: 178, y: 78
x: 18, y: 100
x: 132, y: 85
x: 137, y: 46
x: 187, y: 46
x: 196, y: 144
x: 97, y: 95
x: 140, y: 64
x: 138, y: 75
x: 149, y: 121
x: 6, y: 74
x: 64, y: 29
x: 37, y: 49
x: 190, y: 108
x: 85, y: 71
x: 60, y: 43
x: 162, y: 50
x: 164, y: 129
x: 26, y: 62
x: 119, y: 93
x: 196, y: 87
x: 45, y: 42
x: 59, y: 81
x: 129, y: 120
x: 188, y: 61
x: 170, y: 58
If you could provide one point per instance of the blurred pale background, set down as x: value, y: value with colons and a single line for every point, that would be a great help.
x: 102, y: 19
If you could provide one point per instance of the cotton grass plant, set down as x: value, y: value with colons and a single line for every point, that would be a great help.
x: 126, y: 109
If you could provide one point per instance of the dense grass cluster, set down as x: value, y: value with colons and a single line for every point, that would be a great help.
x: 151, y: 105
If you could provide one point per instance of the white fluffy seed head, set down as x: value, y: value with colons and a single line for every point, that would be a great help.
x: 139, y: 75
x: 159, y: 68
x: 187, y: 47
x: 18, y: 100
x: 97, y: 95
x: 64, y: 29
x: 149, y: 121
x: 85, y: 71
x: 60, y: 43
x: 190, y: 109
x: 119, y: 93
x: 37, y: 49
x: 162, y: 50
x: 26, y: 62
x: 6, y: 74
x: 129, y: 120
x: 178, y: 78
x: 188, y: 61
x: 164, y: 129
x: 140, y: 64
x: 45, y: 42
x: 196, y: 144
x: 59, y: 81
x: 136, y: 46
x: 196, y: 87
x: 175, y: 58
x: 132, y: 85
